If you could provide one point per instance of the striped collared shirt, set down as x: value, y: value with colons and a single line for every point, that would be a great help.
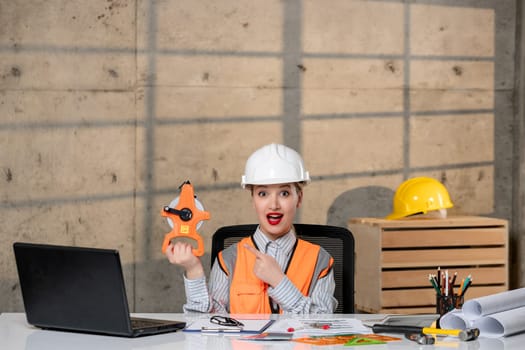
x: 285, y: 294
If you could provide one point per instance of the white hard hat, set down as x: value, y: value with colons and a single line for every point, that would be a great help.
x: 274, y: 164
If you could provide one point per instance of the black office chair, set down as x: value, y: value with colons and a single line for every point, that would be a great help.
x: 338, y: 241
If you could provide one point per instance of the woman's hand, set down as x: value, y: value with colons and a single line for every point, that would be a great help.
x: 181, y: 254
x: 266, y: 267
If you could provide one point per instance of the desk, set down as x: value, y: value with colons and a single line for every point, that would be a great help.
x: 16, y: 334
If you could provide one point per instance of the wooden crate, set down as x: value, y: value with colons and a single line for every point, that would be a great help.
x: 395, y: 257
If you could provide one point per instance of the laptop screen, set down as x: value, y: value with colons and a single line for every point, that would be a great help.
x: 73, y: 288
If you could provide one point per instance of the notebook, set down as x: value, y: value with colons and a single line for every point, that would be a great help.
x: 79, y: 289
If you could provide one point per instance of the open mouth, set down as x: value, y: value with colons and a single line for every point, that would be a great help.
x: 274, y: 218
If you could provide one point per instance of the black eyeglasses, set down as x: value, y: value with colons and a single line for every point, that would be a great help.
x: 226, y: 321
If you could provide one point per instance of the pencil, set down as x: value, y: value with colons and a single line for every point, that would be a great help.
x: 433, y: 283
x: 466, y: 283
x: 446, y: 283
x: 461, y: 286
x: 454, y: 281
x: 466, y: 287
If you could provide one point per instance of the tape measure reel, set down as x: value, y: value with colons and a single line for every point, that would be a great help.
x: 173, y: 204
x: 185, y: 215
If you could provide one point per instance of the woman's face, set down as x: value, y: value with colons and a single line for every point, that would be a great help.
x: 276, y: 206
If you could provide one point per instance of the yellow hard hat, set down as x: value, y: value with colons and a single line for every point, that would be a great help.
x: 419, y: 195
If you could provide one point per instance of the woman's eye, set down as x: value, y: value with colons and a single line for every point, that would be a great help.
x: 285, y: 193
x: 261, y: 194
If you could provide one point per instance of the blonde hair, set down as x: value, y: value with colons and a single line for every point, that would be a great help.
x: 298, y: 187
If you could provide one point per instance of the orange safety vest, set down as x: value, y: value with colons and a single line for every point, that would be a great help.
x: 249, y: 295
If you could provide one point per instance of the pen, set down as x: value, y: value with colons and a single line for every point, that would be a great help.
x: 221, y: 330
x: 322, y: 325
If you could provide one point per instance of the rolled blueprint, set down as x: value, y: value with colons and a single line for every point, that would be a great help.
x: 497, y: 315
x: 491, y: 304
x: 501, y: 324
x: 454, y: 319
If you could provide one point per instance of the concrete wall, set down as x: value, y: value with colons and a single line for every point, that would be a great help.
x: 518, y: 216
x: 107, y: 106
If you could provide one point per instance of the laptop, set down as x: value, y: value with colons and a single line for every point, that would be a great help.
x: 80, y: 290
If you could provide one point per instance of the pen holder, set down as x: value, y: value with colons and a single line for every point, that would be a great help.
x: 446, y: 303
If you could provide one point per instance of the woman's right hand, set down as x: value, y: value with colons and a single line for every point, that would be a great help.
x: 181, y: 254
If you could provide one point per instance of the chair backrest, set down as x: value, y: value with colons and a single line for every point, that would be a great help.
x: 338, y: 241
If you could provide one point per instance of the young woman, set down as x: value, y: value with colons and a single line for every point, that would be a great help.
x: 270, y: 270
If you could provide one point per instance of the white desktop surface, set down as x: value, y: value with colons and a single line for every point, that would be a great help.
x: 17, y: 334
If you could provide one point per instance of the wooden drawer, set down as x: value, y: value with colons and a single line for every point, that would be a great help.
x: 395, y: 257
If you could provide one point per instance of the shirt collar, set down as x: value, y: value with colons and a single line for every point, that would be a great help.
x: 284, y: 243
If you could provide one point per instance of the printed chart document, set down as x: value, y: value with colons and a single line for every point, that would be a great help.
x: 250, y: 326
x: 319, y: 327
